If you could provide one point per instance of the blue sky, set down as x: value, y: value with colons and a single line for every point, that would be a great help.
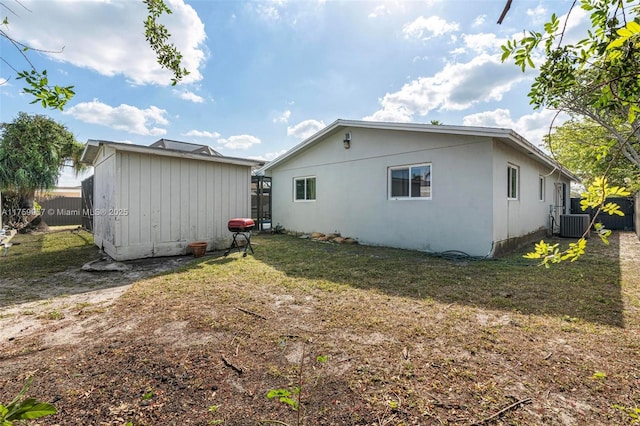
x: 267, y: 74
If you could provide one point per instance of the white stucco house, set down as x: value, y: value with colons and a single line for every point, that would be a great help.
x: 152, y: 201
x: 424, y: 187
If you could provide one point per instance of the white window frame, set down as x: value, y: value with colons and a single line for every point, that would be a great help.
x: 409, y: 167
x: 541, y: 188
x: 512, y: 168
x: 295, y: 192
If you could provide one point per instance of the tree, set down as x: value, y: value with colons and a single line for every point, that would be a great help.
x: 584, y: 147
x: 55, y: 96
x: 594, y: 78
x: 33, y: 150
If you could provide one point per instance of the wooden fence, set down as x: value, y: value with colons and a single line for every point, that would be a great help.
x: 61, y: 211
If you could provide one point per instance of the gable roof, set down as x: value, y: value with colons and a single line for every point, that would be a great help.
x: 92, y: 148
x: 507, y: 136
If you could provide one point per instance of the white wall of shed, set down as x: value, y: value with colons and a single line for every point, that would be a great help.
x: 162, y: 203
x: 104, y: 198
x: 352, y: 190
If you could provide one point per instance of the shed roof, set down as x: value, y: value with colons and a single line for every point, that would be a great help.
x: 507, y: 136
x: 185, y: 147
x: 92, y: 148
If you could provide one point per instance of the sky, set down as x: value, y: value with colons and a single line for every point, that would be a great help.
x: 267, y: 74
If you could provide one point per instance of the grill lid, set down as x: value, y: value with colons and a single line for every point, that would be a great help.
x: 240, y: 224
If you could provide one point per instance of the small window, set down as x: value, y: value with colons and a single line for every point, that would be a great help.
x: 512, y: 182
x: 541, y: 188
x: 305, y: 189
x: 410, y: 182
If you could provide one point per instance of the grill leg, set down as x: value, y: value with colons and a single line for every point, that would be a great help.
x: 247, y: 237
x: 234, y: 244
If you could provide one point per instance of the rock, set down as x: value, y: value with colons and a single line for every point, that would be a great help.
x: 101, y: 265
x: 350, y: 241
x: 317, y: 235
x: 339, y: 240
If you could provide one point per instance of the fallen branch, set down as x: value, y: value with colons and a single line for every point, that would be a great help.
x: 246, y: 311
x: 501, y: 412
x: 231, y: 365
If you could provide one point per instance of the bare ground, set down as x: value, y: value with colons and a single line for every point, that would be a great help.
x: 167, y: 352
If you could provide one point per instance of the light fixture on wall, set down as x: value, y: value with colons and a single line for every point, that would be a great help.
x: 347, y: 140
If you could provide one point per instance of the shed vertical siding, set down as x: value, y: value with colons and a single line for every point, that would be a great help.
x: 160, y: 204
x: 105, y: 189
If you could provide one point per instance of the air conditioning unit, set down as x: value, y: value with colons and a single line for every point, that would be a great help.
x: 574, y: 225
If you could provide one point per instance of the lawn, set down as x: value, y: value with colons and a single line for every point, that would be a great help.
x: 361, y: 335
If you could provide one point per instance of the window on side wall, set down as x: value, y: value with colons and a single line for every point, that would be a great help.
x: 411, y: 182
x: 304, y: 188
x: 541, y: 182
x: 513, y: 181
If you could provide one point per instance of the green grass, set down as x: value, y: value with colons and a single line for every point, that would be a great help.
x: 409, y: 338
x: 475, y: 330
x: 40, y: 254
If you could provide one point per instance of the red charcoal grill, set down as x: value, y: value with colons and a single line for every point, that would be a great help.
x: 240, y: 226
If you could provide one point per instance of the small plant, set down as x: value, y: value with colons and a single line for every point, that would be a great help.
x: 148, y: 395
x: 55, y: 315
x: 633, y: 413
x: 285, y: 396
x: 292, y: 398
x: 214, y: 409
x: 24, y: 409
x: 599, y: 375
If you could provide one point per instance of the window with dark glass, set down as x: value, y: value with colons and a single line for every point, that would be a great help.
x: 512, y: 182
x: 410, y: 181
x: 305, y: 189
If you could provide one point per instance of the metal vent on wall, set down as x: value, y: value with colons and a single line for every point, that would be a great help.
x: 574, y: 225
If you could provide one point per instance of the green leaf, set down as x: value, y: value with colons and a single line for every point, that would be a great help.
x: 35, y: 411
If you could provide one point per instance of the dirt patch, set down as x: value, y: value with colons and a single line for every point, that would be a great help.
x: 63, y: 305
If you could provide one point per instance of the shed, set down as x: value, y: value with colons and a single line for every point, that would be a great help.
x: 152, y: 201
x: 435, y: 188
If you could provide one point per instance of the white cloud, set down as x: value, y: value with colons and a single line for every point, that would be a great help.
x: 189, y: 96
x: 483, y: 42
x: 379, y: 10
x: 458, y: 86
x: 283, y: 117
x: 268, y: 10
x: 538, y: 15
x: 86, y: 31
x: 434, y: 25
x: 532, y: 127
x: 479, y: 20
x: 243, y: 142
x: 123, y: 117
x: 268, y: 156
x: 304, y: 129
x: 202, y: 134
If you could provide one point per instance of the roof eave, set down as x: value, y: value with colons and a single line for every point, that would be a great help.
x: 92, y: 148
x: 489, y: 132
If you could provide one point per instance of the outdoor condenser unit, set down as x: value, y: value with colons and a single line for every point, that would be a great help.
x: 574, y: 225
